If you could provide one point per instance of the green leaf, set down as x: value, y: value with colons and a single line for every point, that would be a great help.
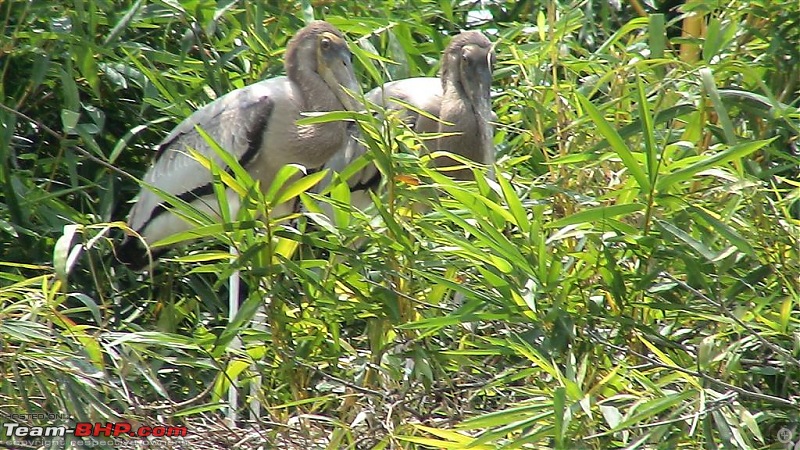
x: 713, y: 40
x: 123, y: 23
x: 725, y: 231
x: 71, y: 97
x: 662, y: 117
x: 651, y: 152
x: 302, y: 185
x: 514, y: 204
x: 247, y: 311
x: 710, y: 87
x: 657, y: 35
x: 559, y: 409
x: 616, y: 142
x: 594, y: 215
x: 730, y: 154
x: 686, y: 238
x: 313, y: 118
x: 64, y: 253
x: 69, y: 120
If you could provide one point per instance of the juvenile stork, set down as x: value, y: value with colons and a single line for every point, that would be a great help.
x: 460, y: 98
x: 257, y: 125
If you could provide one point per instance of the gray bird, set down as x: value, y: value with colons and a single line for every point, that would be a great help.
x: 257, y: 125
x: 460, y: 96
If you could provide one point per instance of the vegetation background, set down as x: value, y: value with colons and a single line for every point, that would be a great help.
x: 630, y: 281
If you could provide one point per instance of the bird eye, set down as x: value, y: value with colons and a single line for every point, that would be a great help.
x: 325, y: 43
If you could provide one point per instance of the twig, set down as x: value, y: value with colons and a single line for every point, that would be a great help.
x: 61, y: 137
x: 352, y: 386
x: 717, y: 404
x: 712, y: 380
x: 173, y: 406
x: 733, y: 317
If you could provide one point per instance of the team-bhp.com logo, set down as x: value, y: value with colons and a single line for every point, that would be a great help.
x: 17, y: 432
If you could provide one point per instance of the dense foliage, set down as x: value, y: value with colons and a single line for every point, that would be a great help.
x: 631, y: 279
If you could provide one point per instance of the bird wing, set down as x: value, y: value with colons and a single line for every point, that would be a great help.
x: 237, y: 121
x: 360, y: 182
x: 424, y: 93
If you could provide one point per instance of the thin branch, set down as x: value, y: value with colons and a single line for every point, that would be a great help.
x: 349, y: 384
x: 715, y: 405
x: 741, y: 391
x: 781, y: 351
x: 76, y: 148
x: 175, y: 406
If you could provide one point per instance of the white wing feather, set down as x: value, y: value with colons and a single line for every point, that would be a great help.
x: 238, y: 122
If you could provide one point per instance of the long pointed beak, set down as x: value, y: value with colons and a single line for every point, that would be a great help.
x: 349, y: 95
x: 480, y: 96
x: 482, y: 102
x: 344, y: 83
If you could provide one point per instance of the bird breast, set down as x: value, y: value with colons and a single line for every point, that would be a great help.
x: 286, y: 142
x: 471, y: 141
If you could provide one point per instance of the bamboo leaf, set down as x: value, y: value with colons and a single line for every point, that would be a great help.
x: 616, y: 142
x: 730, y: 154
x: 710, y: 87
x: 594, y: 215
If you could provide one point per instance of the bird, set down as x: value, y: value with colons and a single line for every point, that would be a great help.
x: 459, y: 99
x: 257, y: 125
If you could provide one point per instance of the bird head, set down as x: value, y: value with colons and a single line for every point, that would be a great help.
x: 322, y: 48
x: 468, y: 63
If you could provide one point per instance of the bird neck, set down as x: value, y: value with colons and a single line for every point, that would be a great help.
x: 311, y: 145
x: 475, y: 140
x: 316, y: 95
x: 453, y: 90
x: 458, y: 108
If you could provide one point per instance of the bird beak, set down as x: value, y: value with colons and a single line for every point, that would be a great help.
x: 481, y: 94
x: 338, y: 74
x: 482, y: 101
